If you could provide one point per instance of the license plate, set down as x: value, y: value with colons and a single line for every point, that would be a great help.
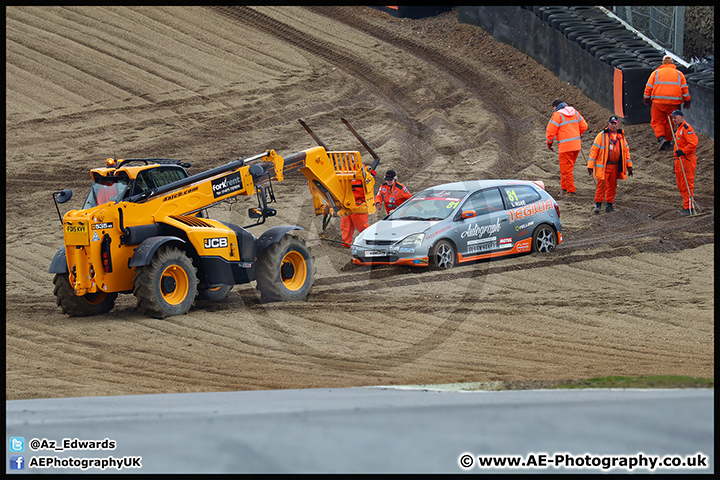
x: 375, y: 253
x: 76, y: 234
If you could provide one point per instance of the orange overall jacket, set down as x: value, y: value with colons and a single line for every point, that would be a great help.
x: 567, y: 125
x: 687, y: 140
x: 392, y: 198
x: 601, y: 149
x: 667, y: 85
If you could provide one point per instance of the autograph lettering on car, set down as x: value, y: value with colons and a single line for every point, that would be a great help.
x: 476, y: 230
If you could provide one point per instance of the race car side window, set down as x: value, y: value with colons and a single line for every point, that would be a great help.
x: 519, y: 195
x: 484, y: 201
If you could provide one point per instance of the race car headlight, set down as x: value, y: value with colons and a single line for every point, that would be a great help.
x: 411, y: 241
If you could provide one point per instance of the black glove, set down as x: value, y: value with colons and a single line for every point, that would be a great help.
x: 590, y: 171
x: 647, y: 101
x: 630, y: 171
x: 687, y: 104
x: 549, y: 144
x: 679, y: 153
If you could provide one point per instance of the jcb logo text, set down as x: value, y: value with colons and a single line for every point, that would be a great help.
x: 221, y: 242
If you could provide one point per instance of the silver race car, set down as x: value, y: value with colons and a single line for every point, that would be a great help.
x: 460, y: 222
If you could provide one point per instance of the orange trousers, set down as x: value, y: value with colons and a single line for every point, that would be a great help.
x: 349, y: 223
x: 606, y: 188
x: 659, y: 122
x: 567, y: 164
x: 689, y: 163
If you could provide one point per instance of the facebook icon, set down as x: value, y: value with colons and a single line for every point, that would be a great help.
x: 17, y: 462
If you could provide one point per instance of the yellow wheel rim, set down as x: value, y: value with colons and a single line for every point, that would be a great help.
x: 174, y: 284
x: 293, y: 271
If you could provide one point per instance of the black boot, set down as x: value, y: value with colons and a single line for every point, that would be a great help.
x: 596, y: 210
x: 609, y: 208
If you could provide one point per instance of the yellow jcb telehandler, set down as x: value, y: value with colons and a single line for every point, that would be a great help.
x: 143, y: 229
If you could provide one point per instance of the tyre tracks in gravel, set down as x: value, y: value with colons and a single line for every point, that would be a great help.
x: 383, y: 85
x: 463, y: 73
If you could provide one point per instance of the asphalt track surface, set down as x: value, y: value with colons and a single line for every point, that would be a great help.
x: 372, y: 430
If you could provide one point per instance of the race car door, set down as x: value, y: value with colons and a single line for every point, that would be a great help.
x: 481, y: 235
x: 519, y: 200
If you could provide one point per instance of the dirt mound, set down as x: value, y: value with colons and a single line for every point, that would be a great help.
x: 628, y: 293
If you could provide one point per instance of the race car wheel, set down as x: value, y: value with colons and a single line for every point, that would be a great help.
x: 442, y: 255
x: 168, y: 285
x: 544, y: 239
x: 81, y: 305
x: 285, y: 271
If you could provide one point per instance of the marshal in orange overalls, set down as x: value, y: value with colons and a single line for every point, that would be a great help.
x: 610, y: 161
x: 567, y: 125
x: 666, y: 89
x: 687, y: 142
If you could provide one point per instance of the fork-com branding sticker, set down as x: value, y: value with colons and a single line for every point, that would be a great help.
x: 221, y: 242
x: 227, y: 184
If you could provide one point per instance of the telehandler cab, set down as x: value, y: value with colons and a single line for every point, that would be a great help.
x: 143, y: 229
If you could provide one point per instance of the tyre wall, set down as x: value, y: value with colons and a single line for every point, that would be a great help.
x: 587, y: 48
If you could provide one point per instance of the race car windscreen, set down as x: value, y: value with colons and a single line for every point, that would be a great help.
x: 431, y: 204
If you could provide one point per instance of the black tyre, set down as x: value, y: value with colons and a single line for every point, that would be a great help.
x: 544, y: 239
x: 611, y: 57
x: 624, y: 65
x: 557, y: 18
x: 442, y: 255
x: 651, y: 57
x: 285, y: 271
x: 572, y: 27
x: 80, y: 306
x: 545, y: 12
x: 594, y: 46
x: 168, y: 286
x: 584, y: 40
x: 605, y: 51
x: 585, y: 12
x: 214, y: 294
x: 578, y: 34
x: 632, y: 44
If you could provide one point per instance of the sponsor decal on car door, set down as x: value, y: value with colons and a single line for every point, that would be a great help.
x: 483, y: 233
